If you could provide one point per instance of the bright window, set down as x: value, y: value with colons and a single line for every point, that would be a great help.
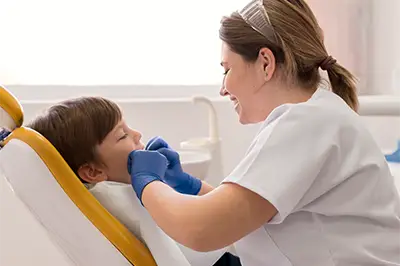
x: 97, y: 42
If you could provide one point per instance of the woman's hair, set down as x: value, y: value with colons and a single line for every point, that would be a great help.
x: 76, y: 126
x: 296, y: 41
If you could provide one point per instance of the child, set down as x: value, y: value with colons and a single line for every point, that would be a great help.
x: 93, y: 138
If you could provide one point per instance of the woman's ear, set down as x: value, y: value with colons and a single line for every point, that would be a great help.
x: 92, y: 174
x: 268, y: 62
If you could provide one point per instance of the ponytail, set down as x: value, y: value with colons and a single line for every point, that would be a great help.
x: 343, y: 83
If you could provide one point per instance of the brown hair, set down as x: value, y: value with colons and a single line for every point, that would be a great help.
x: 298, y: 46
x: 76, y: 126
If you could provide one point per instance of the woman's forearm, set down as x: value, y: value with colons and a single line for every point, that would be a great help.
x: 171, y: 211
x: 209, y: 222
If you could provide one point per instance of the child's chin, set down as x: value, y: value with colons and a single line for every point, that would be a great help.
x: 126, y: 181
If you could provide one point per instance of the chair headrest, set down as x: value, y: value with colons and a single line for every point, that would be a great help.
x: 10, y: 104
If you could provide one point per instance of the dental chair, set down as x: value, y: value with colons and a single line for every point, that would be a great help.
x: 47, y: 216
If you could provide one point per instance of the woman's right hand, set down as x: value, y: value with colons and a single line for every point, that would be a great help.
x: 175, y: 177
x: 145, y: 167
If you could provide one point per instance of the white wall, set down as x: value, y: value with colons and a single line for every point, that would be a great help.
x: 346, y: 30
x: 364, y: 36
x: 91, y: 42
x: 385, y: 47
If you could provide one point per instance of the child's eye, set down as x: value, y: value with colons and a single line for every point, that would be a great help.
x: 123, y: 137
x: 226, y: 72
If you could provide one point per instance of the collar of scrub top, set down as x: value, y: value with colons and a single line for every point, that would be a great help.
x: 255, y: 15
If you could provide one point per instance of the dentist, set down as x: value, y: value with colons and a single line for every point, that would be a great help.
x: 313, y: 187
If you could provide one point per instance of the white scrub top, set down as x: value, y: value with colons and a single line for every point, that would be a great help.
x: 337, y: 203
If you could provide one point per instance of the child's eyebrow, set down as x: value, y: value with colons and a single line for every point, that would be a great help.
x: 118, y: 126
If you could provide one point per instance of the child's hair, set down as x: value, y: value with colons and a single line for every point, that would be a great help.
x: 76, y: 126
x: 297, y: 43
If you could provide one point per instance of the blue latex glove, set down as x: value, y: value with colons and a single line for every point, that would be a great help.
x: 144, y: 168
x: 156, y: 143
x: 175, y: 177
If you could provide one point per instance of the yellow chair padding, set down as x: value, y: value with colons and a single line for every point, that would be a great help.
x: 133, y: 250
x: 11, y: 105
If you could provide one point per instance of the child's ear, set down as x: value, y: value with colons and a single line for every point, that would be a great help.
x: 92, y: 174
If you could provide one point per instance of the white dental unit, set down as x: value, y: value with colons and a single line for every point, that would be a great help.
x: 48, y: 217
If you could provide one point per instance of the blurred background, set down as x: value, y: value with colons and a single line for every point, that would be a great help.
x: 153, y: 56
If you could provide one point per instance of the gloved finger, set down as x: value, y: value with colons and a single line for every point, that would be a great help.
x: 156, y: 143
x: 171, y: 155
x: 150, y: 142
x: 140, y: 161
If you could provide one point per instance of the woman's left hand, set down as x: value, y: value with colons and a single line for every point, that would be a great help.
x: 156, y: 143
x: 175, y: 177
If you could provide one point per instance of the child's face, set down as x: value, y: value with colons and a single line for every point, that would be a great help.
x: 114, y: 150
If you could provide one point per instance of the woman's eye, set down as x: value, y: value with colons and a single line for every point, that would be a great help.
x: 226, y: 72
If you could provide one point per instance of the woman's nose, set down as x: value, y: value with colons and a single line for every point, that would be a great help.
x: 223, y: 92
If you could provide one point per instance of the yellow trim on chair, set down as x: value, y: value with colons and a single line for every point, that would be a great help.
x: 11, y: 105
x: 133, y: 250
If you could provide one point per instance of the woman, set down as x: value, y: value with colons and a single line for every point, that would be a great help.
x: 313, y: 188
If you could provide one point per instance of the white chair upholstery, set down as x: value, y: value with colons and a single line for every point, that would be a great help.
x: 40, y: 225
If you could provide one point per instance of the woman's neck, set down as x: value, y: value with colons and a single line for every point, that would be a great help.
x: 267, y: 100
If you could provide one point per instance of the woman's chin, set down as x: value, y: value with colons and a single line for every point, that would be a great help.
x: 243, y: 121
x: 242, y: 118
